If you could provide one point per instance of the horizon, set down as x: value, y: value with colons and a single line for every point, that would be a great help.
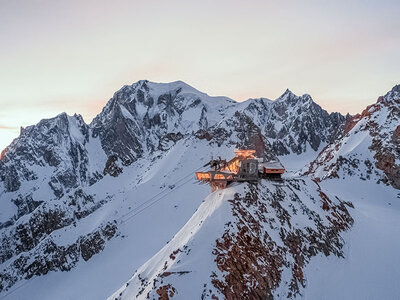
x: 69, y: 56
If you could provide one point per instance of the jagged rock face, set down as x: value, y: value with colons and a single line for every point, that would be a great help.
x: 28, y: 248
x: 50, y: 256
x: 122, y: 136
x: 113, y: 166
x: 146, y: 117
x: 46, y: 218
x: 262, y: 237
x: 56, y: 146
x: 240, y: 132
x: 370, y: 149
x: 291, y: 123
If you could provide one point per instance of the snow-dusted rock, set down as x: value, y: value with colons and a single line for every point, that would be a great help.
x: 370, y: 147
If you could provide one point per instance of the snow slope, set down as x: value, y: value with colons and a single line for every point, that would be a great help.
x: 370, y: 268
x: 145, y: 224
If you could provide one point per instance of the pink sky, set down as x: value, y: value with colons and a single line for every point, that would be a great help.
x: 73, y: 55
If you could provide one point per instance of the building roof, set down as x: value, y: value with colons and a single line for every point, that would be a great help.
x: 272, y: 165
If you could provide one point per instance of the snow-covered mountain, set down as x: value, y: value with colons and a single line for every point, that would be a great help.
x: 370, y: 146
x: 294, y: 124
x: 88, y: 204
x: 147, y: 117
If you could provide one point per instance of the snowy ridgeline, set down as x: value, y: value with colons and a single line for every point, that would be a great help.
x: 84, y: 206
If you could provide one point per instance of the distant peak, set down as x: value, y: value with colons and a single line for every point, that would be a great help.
x: 165, y: 87
x: 307, y: 97
x: 145, y: 81
x: 142, y: 81
x: 288, y: 94
x: 62, y: 115
x: 162, y: 85
x: 396, y: 88
x: 179, y: 82
x: 392, y: 95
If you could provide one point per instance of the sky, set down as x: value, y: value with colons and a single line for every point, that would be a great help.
x: 71, y: 56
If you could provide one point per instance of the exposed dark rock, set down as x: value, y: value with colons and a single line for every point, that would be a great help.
x: 25, y: 205
x: 95, y: 242
x: 49, y: 256
x: 113, y: 166
x: 168, y: 140
x: 252, y: 262
x: 43, y: 220
x: 11, y: 179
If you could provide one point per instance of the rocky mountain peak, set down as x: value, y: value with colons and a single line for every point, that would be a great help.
x: 393, y: 95
x: 289, y: 98
x: 396, y: 88
x: 287, y: 95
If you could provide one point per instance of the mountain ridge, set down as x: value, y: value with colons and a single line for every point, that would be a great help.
x: 167, y: 113
x: 376, y: 134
